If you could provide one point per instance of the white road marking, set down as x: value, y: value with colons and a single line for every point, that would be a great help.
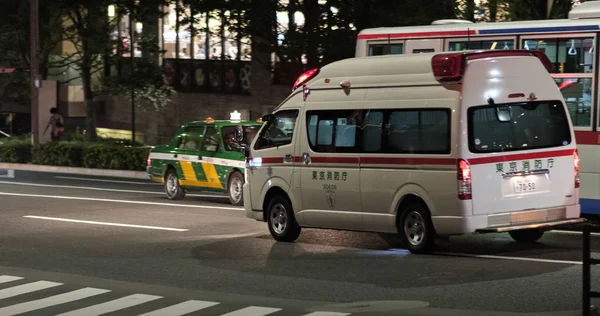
x: 506, y: 258
x: 181, y: 308
x: 327, y: 314
x: 105, y: 180
x: 26, y: 288
x: 253, y: 311
x: 102, y: 189
x: 9, y: 174
x: 9, y: 278
x: 105, y: 223
x: 50, y: 301
x: 112, y: 306
x: 60, y: 197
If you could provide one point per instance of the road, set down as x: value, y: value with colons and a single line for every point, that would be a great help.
x: 82, y: 245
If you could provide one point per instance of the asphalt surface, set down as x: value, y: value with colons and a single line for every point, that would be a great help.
x: 91, y: 246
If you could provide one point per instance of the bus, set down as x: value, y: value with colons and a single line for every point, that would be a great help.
x: 571, y: 45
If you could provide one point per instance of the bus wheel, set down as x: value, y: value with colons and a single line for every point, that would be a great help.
x: 172, y: 188
x: 416, y: 229
x: 526, y: 235
x: 236, y: 189
x: 281, y: 220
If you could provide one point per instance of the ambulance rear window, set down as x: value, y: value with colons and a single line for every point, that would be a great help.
x: 518, y: 126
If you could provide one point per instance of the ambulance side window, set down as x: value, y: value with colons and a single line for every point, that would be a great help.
x: 372, y: 131
x: 334, y: 131
x: 278, y: 132
x: 423, y: 131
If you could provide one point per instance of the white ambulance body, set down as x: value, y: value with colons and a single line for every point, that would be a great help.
x: 420, y: 145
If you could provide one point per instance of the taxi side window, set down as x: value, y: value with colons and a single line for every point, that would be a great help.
x: 190, y: 139
x: 211, y: 140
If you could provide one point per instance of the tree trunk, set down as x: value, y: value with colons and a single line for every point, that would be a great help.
x: 90, y: 108
x: 470, y: 12
x: 493, y: 7
x: 311, y: 19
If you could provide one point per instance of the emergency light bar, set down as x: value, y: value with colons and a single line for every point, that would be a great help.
x: 451, y: 67
x: 305, y: 77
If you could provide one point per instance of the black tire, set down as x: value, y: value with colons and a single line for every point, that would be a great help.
x: 235, y: 183
x: 416, y: 229
x: 172, y: 188
x: 281, y: 220
x: 526, y: 235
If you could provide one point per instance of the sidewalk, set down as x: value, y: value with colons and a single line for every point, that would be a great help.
x: 75, y: 170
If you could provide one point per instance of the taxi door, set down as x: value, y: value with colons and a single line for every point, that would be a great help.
x: 210, y: 148
x: 187, y: 154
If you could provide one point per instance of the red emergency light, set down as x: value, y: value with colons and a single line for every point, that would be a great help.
x: 450, y: 67
x: 305, y: 77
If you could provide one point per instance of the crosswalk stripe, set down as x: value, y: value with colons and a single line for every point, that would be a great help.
x: 112, y: 306
x: 181, y: 308
x: 253, y: 311
x: 51, y: 301
x: 327, y: 314
x: 26, y: 288
x: 9, y: 278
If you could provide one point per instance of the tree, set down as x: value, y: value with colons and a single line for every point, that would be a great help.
x: 88, y: 28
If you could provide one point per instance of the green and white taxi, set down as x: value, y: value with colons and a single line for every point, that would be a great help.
x: 205, y: 156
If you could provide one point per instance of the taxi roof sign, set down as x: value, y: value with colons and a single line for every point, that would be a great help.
x: 209, y: 120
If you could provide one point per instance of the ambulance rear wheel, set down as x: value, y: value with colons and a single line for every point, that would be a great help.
x: 281, y: 220
x: 235, y: 189
x: 526, y: 235
x: 172, y: 188
x: 416, y: 229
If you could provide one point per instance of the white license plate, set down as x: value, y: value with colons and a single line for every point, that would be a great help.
x: 525, y: 186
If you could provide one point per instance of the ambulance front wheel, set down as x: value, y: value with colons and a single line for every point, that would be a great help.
x: 281, y: 220
x: 416, y: 228
x: 526, y: 235
x: 235, y: 189
x: 172, y: 188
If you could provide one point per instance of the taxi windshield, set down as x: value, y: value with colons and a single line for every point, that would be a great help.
x: 228, y: 134
x: 518, y: 126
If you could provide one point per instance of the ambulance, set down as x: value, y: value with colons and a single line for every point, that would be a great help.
x: 420, y: 146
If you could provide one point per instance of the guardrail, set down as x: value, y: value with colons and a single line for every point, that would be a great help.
x: 587, y: 263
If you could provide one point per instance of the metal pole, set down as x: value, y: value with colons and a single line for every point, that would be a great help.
x: 132, y: 49
x: 34, y: 69
x: 586, y: 270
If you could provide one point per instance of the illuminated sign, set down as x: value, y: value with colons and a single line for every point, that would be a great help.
x: 235, y: 116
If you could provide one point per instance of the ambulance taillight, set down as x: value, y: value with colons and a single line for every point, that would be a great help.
x: 577, y: 165
x: 463, y: 176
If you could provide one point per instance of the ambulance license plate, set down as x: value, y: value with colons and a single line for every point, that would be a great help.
x: 524, y: 186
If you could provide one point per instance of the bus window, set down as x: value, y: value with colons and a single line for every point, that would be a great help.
x: 494, y: 45
x: 386, y: 49
x: 568, y: 55
x: 578, y: 97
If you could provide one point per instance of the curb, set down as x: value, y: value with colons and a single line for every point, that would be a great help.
x: 76, y: 170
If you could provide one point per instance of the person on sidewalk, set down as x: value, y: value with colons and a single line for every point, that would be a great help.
x: 57, y: 123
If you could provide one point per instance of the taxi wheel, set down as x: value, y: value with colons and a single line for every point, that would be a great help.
x: 416, y: 229
x: 236, y: 189
x: 172, y: 188
x: 281, y: 221
x: 526, y: 235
